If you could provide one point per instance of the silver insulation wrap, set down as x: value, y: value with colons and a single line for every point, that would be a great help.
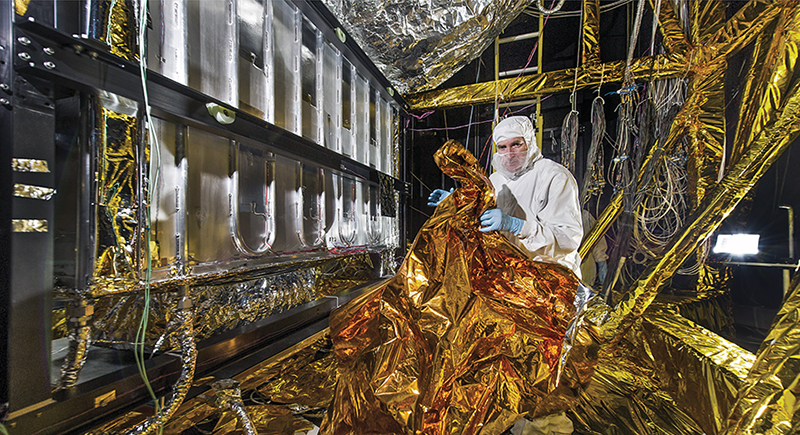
x: 418, y: 44
x: 76, y: 356
x: 183, y: 325
x: 229, y: 397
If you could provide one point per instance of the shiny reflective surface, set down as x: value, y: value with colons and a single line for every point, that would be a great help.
x: 466, y: 338
x: 419, y: 44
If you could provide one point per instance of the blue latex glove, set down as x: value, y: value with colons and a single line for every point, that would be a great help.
x: 495, y: 219
x: 602, y: 271
x: 438, y: 196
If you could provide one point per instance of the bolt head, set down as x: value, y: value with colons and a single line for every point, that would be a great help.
x: 24, y: 40
x: 24, y: 56
x: 49, y: 51
x: 49, y: 65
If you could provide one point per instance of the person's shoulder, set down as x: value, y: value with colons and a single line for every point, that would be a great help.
x: 551, y: 167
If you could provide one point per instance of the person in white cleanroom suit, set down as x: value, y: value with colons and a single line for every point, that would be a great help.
x: 537, y: 198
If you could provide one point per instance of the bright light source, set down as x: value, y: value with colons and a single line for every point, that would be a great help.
x: 736, y: 244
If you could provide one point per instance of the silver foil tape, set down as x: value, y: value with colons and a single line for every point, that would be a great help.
x: 229, y: 398
x: 182, y: 324
x: 218, y: 308
x: 418, y: 44
x: 76, y: 356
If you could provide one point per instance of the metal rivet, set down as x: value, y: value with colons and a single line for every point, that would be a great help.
x: 31, y: 19
x: 49, y: 65
x: 24, y: 56
x: 48, y: 51
x: 5, y: 102
x: 4, y: 87
x: 31, y: 64
x: 24, y: 40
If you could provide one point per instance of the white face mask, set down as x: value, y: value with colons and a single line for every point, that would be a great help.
x: 512, y: 161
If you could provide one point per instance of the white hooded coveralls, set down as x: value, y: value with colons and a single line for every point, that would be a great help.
x: 545, y: 195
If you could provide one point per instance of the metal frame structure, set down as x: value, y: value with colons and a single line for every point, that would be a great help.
x: 37, y: 59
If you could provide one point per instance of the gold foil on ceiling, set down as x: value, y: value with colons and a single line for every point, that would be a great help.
x: 591, y: 32
x: 717, y: 204
x: 28, y: 226
x: 768, y: 401
x: 774, y: 60
x: 508, y: 89
x: 118, y: 201
x: 29, y: 165
x: 33, y: 192
x: 750, y: 21
x: 674, y: 38
x: 466, y: 338
x: 708, y: 18
x: 704, y: 118
x: 418, y: 44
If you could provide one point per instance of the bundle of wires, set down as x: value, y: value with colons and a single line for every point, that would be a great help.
x: 593, y: 177
x: 153, y: 176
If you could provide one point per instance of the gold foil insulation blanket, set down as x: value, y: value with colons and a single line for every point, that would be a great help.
x: 115, y: 23
x: 217, y: 307
x: 229, y: 400
x: 118, y: 201
x: 768, y: 399
x: 419, y: 44
x: 466, y: 338
x: 183, y: 326
x: 667, y: 376
x: 76, y: 356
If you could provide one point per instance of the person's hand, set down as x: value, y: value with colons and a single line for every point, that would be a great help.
x: 438, y: 196
x: 495, y: 219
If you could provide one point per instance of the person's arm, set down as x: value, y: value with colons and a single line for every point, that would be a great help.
x: 557, y: 228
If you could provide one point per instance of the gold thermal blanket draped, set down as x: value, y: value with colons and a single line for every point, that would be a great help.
x: 466, y: 338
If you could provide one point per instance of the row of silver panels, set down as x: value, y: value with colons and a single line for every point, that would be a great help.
x: 268, y: 204
x: 268, y: 59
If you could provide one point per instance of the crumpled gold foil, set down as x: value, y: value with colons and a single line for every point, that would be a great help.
x: 310, y: 385
x: 775, y: 56
x: 223, y: 306
x: 591, y: 32
x: 76, y: 356
x: 118, y: 21
x: 667, y: 376
x: 217, y: 307
x: 768, y: 399
x: 182, y: 324
x: 33, y: 192
x: 467, y: 337
x: 29, y: 225
x: 419, y: 44
x: 674, y: 38
x: 29, y: 165
x: 21, y: 6
x: 267, y: 419
x: 118, y: 200
x: 509, y: 89
x: 229, y: 400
